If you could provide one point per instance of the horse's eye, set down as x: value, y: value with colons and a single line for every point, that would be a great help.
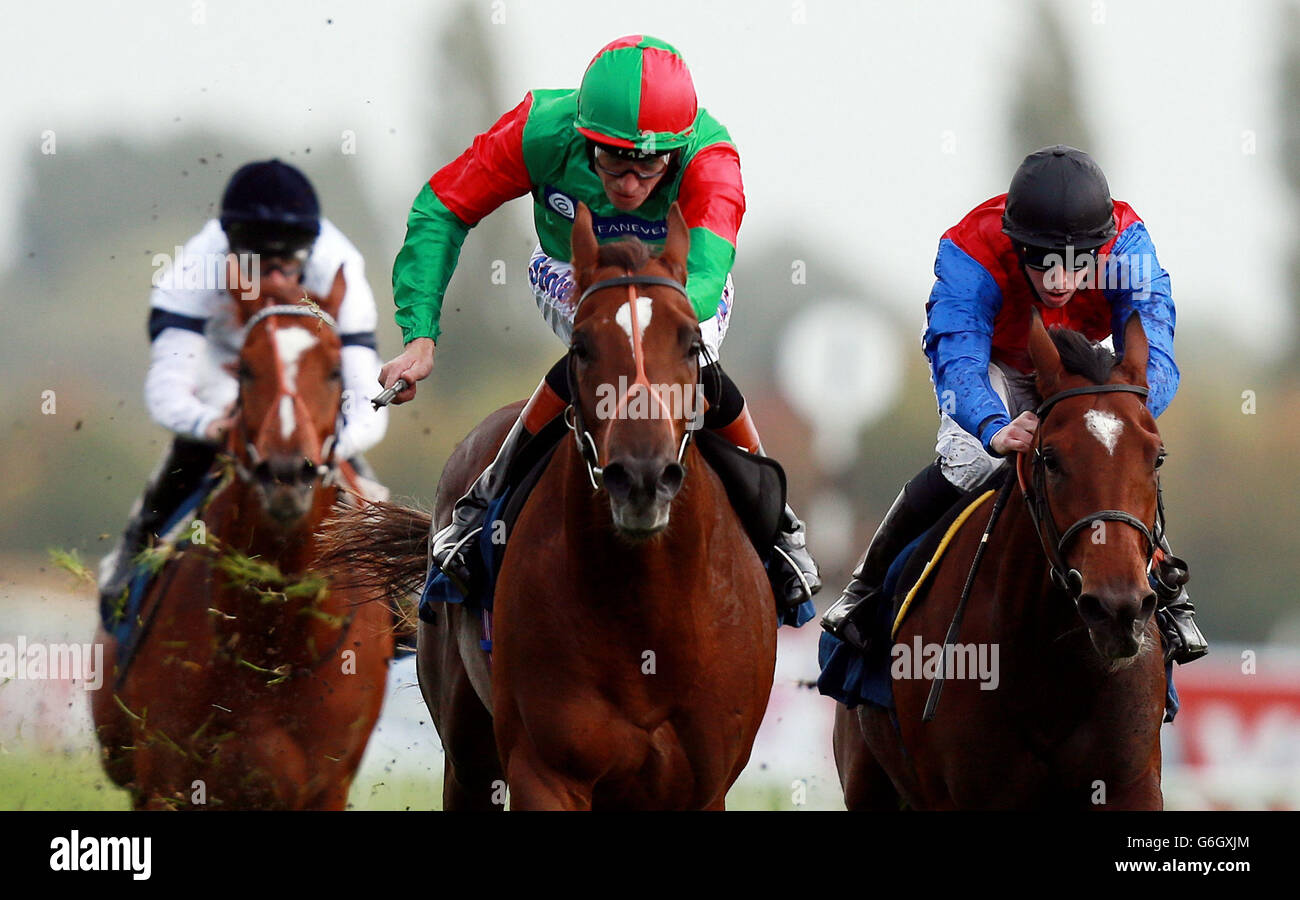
x: 695, y: 349
x: 336, y: 373
x: 1049, y: 460
x: 1160, y: 459
x: 245, y: 371
x: 581, y: 351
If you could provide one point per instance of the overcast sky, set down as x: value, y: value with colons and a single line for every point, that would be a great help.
x: 840, y: 120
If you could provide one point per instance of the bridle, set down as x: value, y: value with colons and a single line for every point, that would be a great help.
x: 573, y: 413
x: 1040, y: 512
x: 327, y: 468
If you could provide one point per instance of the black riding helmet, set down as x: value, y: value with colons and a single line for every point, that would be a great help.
x: 270, y: 208
x: 1058, y: 198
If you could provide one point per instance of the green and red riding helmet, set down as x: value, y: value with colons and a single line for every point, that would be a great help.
x: 637, y: 96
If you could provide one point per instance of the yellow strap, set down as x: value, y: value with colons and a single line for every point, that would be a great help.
x: 934, y: 560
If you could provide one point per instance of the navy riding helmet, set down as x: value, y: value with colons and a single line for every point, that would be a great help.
x: 1059, y: 197
x: 270, y: 208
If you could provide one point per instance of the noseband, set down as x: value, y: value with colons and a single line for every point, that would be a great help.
x: 573, y: 414
x: 328, y: 467
x: 1054, y: 543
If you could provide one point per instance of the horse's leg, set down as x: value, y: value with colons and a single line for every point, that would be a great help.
x: 472, y: 776
x: 533, y: 785
x: 865, y: 782
x: 112, y: 726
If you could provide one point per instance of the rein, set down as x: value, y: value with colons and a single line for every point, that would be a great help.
x: 327, y: 468
x: 573, y: 414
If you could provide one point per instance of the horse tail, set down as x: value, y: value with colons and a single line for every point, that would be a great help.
x: 380, y: 549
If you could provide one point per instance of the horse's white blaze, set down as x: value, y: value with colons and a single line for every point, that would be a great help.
x: 287, y: 422
x: 644, y: 306
x: 291, y: 344
x: 1105, y: 427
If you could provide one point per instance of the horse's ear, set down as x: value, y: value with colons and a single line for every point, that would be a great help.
x: 678, y: 245
x: 1043, y: 352
x: 1133, y: 366
x: 331, y: 302
x: 585, y: 248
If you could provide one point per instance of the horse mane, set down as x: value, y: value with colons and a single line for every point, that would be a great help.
x: 1081, y: 356
x: 628, y: 253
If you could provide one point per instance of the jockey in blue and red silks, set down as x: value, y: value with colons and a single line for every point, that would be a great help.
x: 1055, y: 242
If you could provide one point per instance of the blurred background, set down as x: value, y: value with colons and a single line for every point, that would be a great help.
x: 864, y: 129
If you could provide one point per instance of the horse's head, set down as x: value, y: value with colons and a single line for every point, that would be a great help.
x: 634, y: 371
x: 1093, y: 480
x: 290, y: 398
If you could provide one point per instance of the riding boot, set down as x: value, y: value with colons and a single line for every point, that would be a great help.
x: 918, y: 506
x: 1175, y: 614
x: 450, y: 549
x: 794, y: 574
x: 176, y: 477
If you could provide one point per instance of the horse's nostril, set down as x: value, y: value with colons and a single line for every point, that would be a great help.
x: 617, y: 480
x: 670, y: 480
x: 1091, y: 610
x: 1148, y: 607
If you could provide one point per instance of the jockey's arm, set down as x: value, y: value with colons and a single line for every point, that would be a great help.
x: 1144, y: 289
x: 363, y: 425
x: 712, y: 199
x: 177, y: 352
x: 453, y: 201
x: 958, y: 341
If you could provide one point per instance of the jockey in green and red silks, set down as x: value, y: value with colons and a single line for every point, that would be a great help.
x: 628, y: 143
x: 1057, y: 243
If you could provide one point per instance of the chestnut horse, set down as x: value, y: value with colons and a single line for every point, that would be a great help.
x: 633, y: 642
x: 1073, y: 717
x: 254, y: 685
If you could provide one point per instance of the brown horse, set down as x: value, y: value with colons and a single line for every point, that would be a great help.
x: 254, y: 684
x: 633, y: 635
x: 1072, y: 719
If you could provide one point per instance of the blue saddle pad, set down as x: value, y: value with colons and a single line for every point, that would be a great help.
x: 127, y: 622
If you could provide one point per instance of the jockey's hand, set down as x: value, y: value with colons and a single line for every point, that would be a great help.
x: 414, y: 364
x: 218, y: 428
x: 1016, y: 437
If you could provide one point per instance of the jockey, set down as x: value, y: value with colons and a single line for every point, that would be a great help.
x: 628, y: 143
x: 270, y: 219
x: 1058, y: 243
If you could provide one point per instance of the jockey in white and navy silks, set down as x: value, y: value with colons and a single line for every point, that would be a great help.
x: 194, y: 337
x: 1057, y: 243
x: 270, y: 219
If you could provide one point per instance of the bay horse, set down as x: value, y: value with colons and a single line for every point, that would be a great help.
x: 1062, y: 596
x: 633, y: 633
x: 253, y: 684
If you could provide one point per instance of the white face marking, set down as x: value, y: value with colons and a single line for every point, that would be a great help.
x: 286, y: 416
x: 1105, y: 427
x: 644, y: 306
x: 290, y: 344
